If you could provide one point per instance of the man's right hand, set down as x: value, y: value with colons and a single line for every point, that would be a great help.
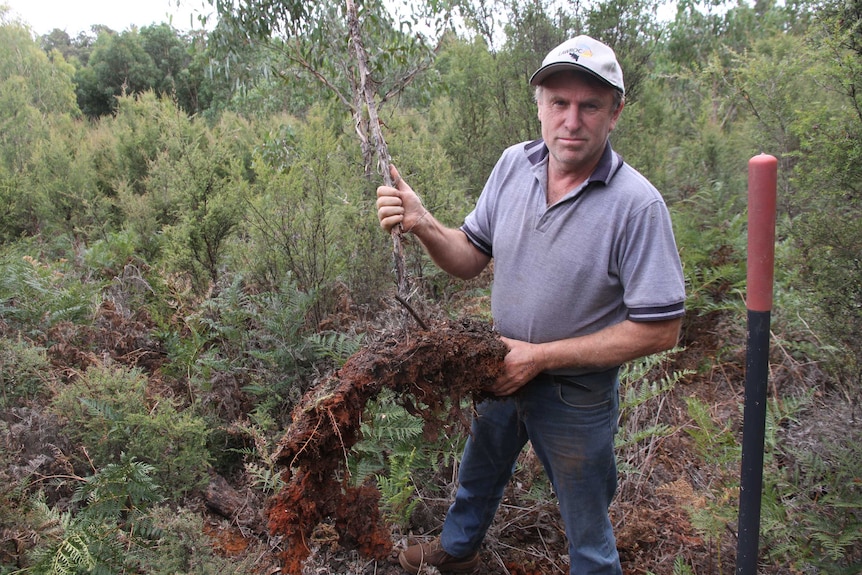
x: 398, y: 204
x: 449, y: 248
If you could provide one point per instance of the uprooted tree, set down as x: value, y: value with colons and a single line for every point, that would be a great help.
x: 431, y: 371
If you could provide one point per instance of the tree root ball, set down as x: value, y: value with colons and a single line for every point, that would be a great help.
x: 430, y: 371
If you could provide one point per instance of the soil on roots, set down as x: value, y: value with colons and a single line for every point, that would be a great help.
x: 430, y: 372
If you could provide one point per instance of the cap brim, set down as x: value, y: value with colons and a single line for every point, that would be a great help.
x: 542, y: 73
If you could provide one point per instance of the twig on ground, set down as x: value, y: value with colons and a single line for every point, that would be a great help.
x: 409, y: 308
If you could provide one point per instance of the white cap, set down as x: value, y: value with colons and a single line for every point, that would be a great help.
x: 582, y: 53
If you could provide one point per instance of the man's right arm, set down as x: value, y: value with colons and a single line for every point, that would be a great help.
x: 450, y: 249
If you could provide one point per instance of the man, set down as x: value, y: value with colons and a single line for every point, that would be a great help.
x: 586, y: 277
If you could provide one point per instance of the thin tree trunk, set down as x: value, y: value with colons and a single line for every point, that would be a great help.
x: 366, y: 93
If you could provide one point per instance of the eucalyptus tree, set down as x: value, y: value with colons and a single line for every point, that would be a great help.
x: 47, y: 77
x: 309, y: 42
x: 74, y: 50
x: 118, y: 65
x: 156, y: 58
x: 177, y: 57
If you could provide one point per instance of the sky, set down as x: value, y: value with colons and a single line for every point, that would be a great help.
x: 76, y: 16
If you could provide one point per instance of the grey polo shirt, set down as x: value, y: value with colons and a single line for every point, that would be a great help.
x: 602, y: 254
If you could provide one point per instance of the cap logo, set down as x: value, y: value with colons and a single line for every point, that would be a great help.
x: 578, y: 53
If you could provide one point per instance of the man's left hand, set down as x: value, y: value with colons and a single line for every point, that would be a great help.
x: 522, y: 364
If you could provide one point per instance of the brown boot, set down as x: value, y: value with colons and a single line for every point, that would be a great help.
x: 415, y: 557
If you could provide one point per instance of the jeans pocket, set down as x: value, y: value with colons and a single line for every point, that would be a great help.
x: 581, y: 396
x: 589, y: 390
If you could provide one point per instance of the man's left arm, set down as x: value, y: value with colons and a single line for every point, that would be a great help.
x: 598, y: 351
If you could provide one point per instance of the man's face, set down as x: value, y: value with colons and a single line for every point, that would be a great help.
x: 577, y: 114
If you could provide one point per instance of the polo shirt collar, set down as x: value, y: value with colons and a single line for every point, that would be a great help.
x: 537, y: 152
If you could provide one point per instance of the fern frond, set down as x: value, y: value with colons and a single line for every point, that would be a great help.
x: 680, y: 567
x: 333, y: 345
x: 101, y: 408
x: 73, y: 552
x: 267, y: 479
x: 836, y: 545
x: 652, y: 432
x: 397, y: 490
x: 118, y: 488
x: 392, y: 424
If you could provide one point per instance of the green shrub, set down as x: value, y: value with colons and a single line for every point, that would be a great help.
x: 109, y: 412
x: 22, y: 366
x: 204, y: 179
x: 303, y: 211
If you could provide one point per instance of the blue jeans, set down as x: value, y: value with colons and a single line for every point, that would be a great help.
x: 571, y: 424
